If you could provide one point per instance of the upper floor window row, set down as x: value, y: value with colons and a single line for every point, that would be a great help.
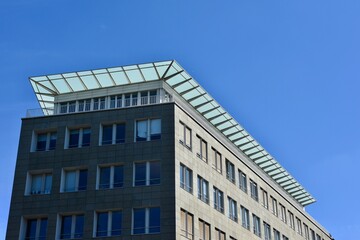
x: 113, y: 101
x: 146, y: 130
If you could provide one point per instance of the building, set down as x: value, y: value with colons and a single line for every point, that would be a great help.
x: 144, y: 152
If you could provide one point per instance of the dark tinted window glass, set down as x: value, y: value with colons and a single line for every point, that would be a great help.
x: 107, y: 135
x: 41, y: 142
x: 74, y: 138
x: 79, y: 226
x: 104, y: 177
x: 52, y: 143
x: 82, y: 180
x: 139, y: 221
x: 66, y: 227
x: 31, y: 229
x: 118, y: 176
x: 43, y: 229
x: 116, y: 223
x: 140, y: 174
x: 86, y: 137
x: 154, y: 220
x: 102, y: 224
x: 120, y: 133
x: 154, y: 173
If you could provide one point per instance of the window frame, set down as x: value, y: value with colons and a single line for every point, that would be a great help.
x: 186, y: 178
x: 254, y: 190
x: 109, y: 224
x: 245, y: 217
x: 232, y: 209
x: 230, y: 171
x: 114, y: 134
x: 256, y: 225
x: 73, y: 233
x: 43, y: 174
x: 187, y: 231
x: 148, y: 133
x: 267, y: 231
x: 203, y: 153
x: 77, y: 187
x: 217, y: 160
x: 242, y: 181
x: 204, y: 225
x: 265, y: 199
x: 218, y: 199
x: 80, y: 140
x: 50, y: 142
x: 186, y: 140
x: 146, y: 221
x: 274, y: 205
x: 25, y: 224
x: 203, y: 195
x: 148, y: 180
x: 112, y: 184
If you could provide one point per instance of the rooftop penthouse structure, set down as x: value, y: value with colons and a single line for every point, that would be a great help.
x: 144, y: 152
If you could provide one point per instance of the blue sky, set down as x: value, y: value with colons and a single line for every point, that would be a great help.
x: 288, y: 71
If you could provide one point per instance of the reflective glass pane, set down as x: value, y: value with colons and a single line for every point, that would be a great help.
x: 120, y: 133
x: 31, y: 229
x: 155, y: 129
x: 102, y: 224
x: 104, y: 178
x: 66, y: 227
x: 116, y: 222
x: 82, y: 180
x: 74, y: 138
x: 154, y: 173
x: 139, y: 221
x: 140, y: 174
x: 141, y: 130
x: 79, y: 226
x: 154, y: 220
x: 107, y: 134
x: 118, y: 176
x: 86, y: 137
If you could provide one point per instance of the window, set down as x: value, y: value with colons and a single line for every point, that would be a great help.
x: 36, y: 228
x: 276, y: 234
x: 291, y: 220
x: 186, y: 179
x: 72, y: 226
x: 185, y: 136
x: 84, y: 105
x: 116, y: 101
x: 219, y: 235
x: 285, y: 237
x: 146, y: 220
x: 257, y: 227
x: 254, y: 190
x: 108, y: 223
x: 99, y: 103
x: 299, y: 226
x: 267, y: 231
x: 204, y: 230
x: 149, y: 129
x: 78, y: 138
x: 306, y: 232
x: 112, y: 134
x: 187, y: 224
x: 110, y: 177
x: 232, y: 209
x: 203, y: 190
x: 74, y: 180
x: 38, y: 183
x: 44, y: 141
x: 274, y: 206
x: 312, y: 234
x: 218, y: 200
x: 203, y: 152
x: 146, y: 173
x: 217, y: 162
x: 230, y: 171
x: 318, y: 237
x: 265, y: 201
x: 242, y: 181
x: 245, y: 220
x: 283, y: 213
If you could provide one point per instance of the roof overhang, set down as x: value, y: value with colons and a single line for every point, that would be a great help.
x: 49, y: 86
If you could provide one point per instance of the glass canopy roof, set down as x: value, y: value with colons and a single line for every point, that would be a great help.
x: 47, y: 87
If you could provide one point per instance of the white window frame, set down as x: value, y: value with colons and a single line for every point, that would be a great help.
x: 242, y: 181
x: 203, y: 153
x: 81, y: 135
x: 64, y: 173
x: 185, y: 139
x: 254, y: 190
x: 24, y: 225
x: 217, y: 160
x: 48, y: 134
x: 265, y: 199
x: 203, y: 194
x: 274, y: 206
x: 218, y: 199
x: 147, y: 221
x: 109, y: 224
x: 147, y: 177
x: 187, y: 183
x: 230, y: 171
x: 112, y: 175
x: 73, y: 225
x: 148, y: 132
x: 29, y: 181
x: 113, y: 134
